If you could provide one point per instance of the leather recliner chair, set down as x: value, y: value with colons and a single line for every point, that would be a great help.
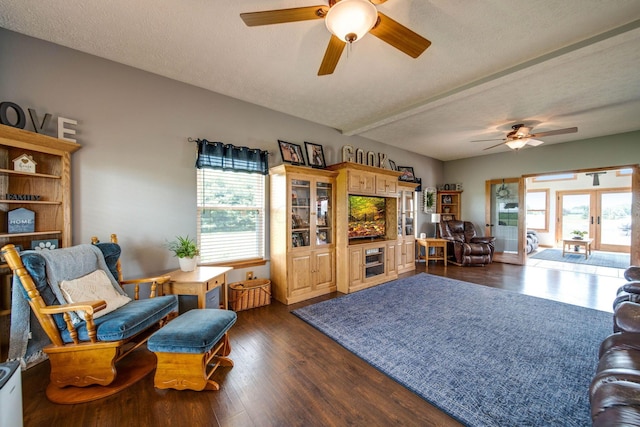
x: 465, y: 246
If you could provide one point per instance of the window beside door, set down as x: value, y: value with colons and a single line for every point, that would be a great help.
x: 538, y: 210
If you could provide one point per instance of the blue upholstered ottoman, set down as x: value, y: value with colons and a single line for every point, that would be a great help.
x: 187, y: 345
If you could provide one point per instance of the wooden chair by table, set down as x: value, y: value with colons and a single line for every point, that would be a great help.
x: 91, y: 356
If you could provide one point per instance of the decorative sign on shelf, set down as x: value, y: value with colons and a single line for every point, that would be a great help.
x: 21, y: 220
x: 11, y: 114
x: 44, y: 245
x: 379, y: 160
x: 25, y: 197
x: 24, y: 163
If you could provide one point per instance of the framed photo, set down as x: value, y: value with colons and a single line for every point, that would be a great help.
x: 291, y: 153
x: 392, y: 165
x: 447, y: 217
x: 407, y: 173
x: 315, y: 155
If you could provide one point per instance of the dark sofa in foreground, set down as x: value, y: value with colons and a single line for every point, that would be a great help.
x: 615, y: 389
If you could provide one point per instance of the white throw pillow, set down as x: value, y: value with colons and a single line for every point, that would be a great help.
x: 93, y: 286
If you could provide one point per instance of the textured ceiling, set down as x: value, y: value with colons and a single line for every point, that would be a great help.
x: 553, y: 64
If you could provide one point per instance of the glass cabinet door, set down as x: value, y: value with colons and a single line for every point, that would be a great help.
x: 323, y: 213
x: 300, y: 213
x: 408, y: 206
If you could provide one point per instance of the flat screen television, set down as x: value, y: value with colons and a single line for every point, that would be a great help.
x: 367, y: 215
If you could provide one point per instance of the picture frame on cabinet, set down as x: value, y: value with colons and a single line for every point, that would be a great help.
x: 291, y: 153
x: 315, y: 155
x: 446, y: 200
x: 407, y: 174
x: 419, y: 182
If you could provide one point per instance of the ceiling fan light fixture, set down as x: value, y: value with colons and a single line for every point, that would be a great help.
x: 350, y: 20
x: 516, y: 144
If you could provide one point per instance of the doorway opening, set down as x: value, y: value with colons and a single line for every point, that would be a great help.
x: 582, y: 220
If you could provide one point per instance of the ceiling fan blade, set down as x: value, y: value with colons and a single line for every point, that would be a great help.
x: 281, y: 16
x: 493, y: 146
x: 399, y: 36
x: 331, y: 56
x: 534, y: 142
x: 378, y: 1
x: 485, y: 140
x: 555, y: 132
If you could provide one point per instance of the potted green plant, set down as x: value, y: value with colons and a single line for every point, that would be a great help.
x: 578, y: 234
x: 186, y: 249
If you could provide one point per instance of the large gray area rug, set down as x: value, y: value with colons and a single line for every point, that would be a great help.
x: 601, y: 259
x: 487, y: 357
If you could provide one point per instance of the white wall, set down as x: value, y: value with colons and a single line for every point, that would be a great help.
x: 135, y: 174
x: 613, y: 150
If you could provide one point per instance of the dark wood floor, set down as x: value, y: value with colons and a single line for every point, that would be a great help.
x: 288, y: 374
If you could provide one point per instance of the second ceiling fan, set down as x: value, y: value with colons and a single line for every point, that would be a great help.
x: 348, y: 21
x: 521, y: 135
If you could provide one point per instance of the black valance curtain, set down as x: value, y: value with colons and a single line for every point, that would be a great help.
x: 228, y: 157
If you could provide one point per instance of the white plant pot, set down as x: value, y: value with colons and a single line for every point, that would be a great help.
x: 188, y: 264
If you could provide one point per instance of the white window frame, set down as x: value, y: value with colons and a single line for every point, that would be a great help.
x: 235, y: 246
x: 545, y: 210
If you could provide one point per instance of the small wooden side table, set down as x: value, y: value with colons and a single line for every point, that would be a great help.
x: 198, y: 282
x: 440, y: 250
x: 585, y: 243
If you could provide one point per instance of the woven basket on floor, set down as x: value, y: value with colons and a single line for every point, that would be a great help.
x: 249, y: 294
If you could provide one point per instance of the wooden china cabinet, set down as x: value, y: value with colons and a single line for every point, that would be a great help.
x: 302, y: 220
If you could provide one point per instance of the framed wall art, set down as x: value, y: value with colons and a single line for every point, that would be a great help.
x: 315, y: 155
x: 291, y: 153
x: 407, y: 173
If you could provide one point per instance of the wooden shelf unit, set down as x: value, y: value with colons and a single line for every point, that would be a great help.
x: 302, y: 230
x: 449, y: 202
x: 52, y: 182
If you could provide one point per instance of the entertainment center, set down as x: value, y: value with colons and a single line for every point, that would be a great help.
x: 344, y: 228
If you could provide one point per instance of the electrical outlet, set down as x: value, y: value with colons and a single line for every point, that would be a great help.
x: 249, y: 275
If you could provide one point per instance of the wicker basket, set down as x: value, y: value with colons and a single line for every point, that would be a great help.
x: 250, y: 294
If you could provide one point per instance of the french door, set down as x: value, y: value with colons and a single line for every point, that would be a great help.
x: 604, y: 214
x: 505, y: 218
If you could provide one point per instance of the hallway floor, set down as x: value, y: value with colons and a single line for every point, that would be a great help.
x: 577, y: 268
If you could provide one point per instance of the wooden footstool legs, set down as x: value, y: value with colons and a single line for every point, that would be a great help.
x: 192, y: 371
x: 190, y: 348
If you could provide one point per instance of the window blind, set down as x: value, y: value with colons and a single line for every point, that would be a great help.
x: 230, y: 215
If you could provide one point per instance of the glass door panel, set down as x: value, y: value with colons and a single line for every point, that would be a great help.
x: 323, y: 213
x: 614, y: 221
x: 503, y: 221
x: 300, y: 213
x: 408, y: 211
x: 575, y: 209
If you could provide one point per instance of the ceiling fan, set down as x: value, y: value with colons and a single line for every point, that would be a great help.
x: 348, y: 21
x: 521, y: 135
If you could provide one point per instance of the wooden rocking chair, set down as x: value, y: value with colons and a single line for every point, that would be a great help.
x: 84, y: 352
